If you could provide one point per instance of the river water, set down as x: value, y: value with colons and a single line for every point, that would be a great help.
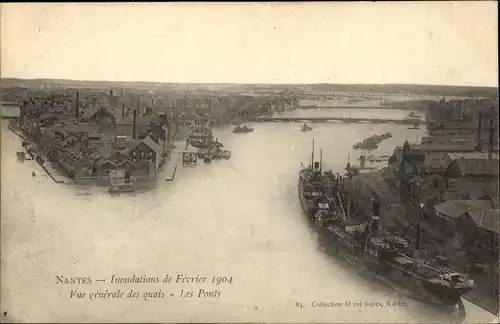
x: 238, y: 218
x: 374, y: 113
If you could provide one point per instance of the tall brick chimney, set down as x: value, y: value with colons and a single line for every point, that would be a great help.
x: 134, y: 125
x: 490, y: 153
x: 479, y: 147
x: 77, y: 106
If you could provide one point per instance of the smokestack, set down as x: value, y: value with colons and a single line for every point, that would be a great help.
x: 376, y: 209
x: 77, y: 105
x: 479, y: 131
x: 374, y: 228
x: 210, y: 103
x: 133, y: 125
x: 490, y: 155
x: 320, y: 161
x: 153, y: 103
x: 123, y: 109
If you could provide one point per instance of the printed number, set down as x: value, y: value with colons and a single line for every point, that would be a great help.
x: 219, y: 280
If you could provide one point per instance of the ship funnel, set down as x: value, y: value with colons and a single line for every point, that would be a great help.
x: 374, y: 222
x: 376, y: 209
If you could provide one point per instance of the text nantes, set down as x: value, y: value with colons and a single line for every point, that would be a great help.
x: 73, y: 280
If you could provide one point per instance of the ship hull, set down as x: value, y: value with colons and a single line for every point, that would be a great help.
x: 351, y: 251
x: 344, y: 246
x: 307, y: 207
x: 198, y: 144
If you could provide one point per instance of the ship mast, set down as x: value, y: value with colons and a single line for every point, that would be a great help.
x: 320, y: 161
x: 312, y: 157
x: 349, y: 174
x: 416, y: 245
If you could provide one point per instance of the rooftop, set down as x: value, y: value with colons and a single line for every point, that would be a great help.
x: 477, y: 166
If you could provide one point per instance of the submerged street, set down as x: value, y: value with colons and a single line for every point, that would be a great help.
x: 237, y: 218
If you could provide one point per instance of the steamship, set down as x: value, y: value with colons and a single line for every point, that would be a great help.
x: 389, y: 258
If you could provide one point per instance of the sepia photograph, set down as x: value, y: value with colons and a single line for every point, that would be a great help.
x: 271, y: 162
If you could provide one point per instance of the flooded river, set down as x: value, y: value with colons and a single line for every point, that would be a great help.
x: 373, y: 113
x: 238, y: 218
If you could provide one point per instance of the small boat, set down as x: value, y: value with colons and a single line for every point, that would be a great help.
x: 220, y: 154
x: 226, y: 154
x: 306, y: 128
x: 21, y: 155
x: 242, y: 129
x: 414, y: 114
x: 207, y: 158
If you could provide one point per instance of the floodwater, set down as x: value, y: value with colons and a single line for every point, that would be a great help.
x: 238, y: 218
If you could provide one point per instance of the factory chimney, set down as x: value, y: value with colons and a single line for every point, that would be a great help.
x: 77, y: 106
x: 137, y: 104
x: 134, y: 125
x: 479, y: 131
x: 123, y: 110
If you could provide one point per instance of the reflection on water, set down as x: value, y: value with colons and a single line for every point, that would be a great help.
x: 238, y: 218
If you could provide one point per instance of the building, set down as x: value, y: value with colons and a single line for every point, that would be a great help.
x: 476, y: 221
x: 475, y: 168
x: 449, y: 157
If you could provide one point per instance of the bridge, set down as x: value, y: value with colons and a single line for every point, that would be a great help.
x: 341, y: 119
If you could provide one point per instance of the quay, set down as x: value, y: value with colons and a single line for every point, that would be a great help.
x: 342, y: 119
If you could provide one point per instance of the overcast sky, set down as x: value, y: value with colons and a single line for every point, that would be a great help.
x: 427, y: 43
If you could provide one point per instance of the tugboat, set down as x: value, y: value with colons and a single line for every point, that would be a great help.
x: 414, y: 114
x: 383, y: 256
x: 306, y: 128
x: 207, y: 158
x: 415, y: 126
x: 244, y: 129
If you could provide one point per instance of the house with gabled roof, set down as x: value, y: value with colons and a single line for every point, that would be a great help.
x: 102, y: 115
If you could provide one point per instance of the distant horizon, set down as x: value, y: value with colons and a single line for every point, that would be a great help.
x: 247, y: 83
